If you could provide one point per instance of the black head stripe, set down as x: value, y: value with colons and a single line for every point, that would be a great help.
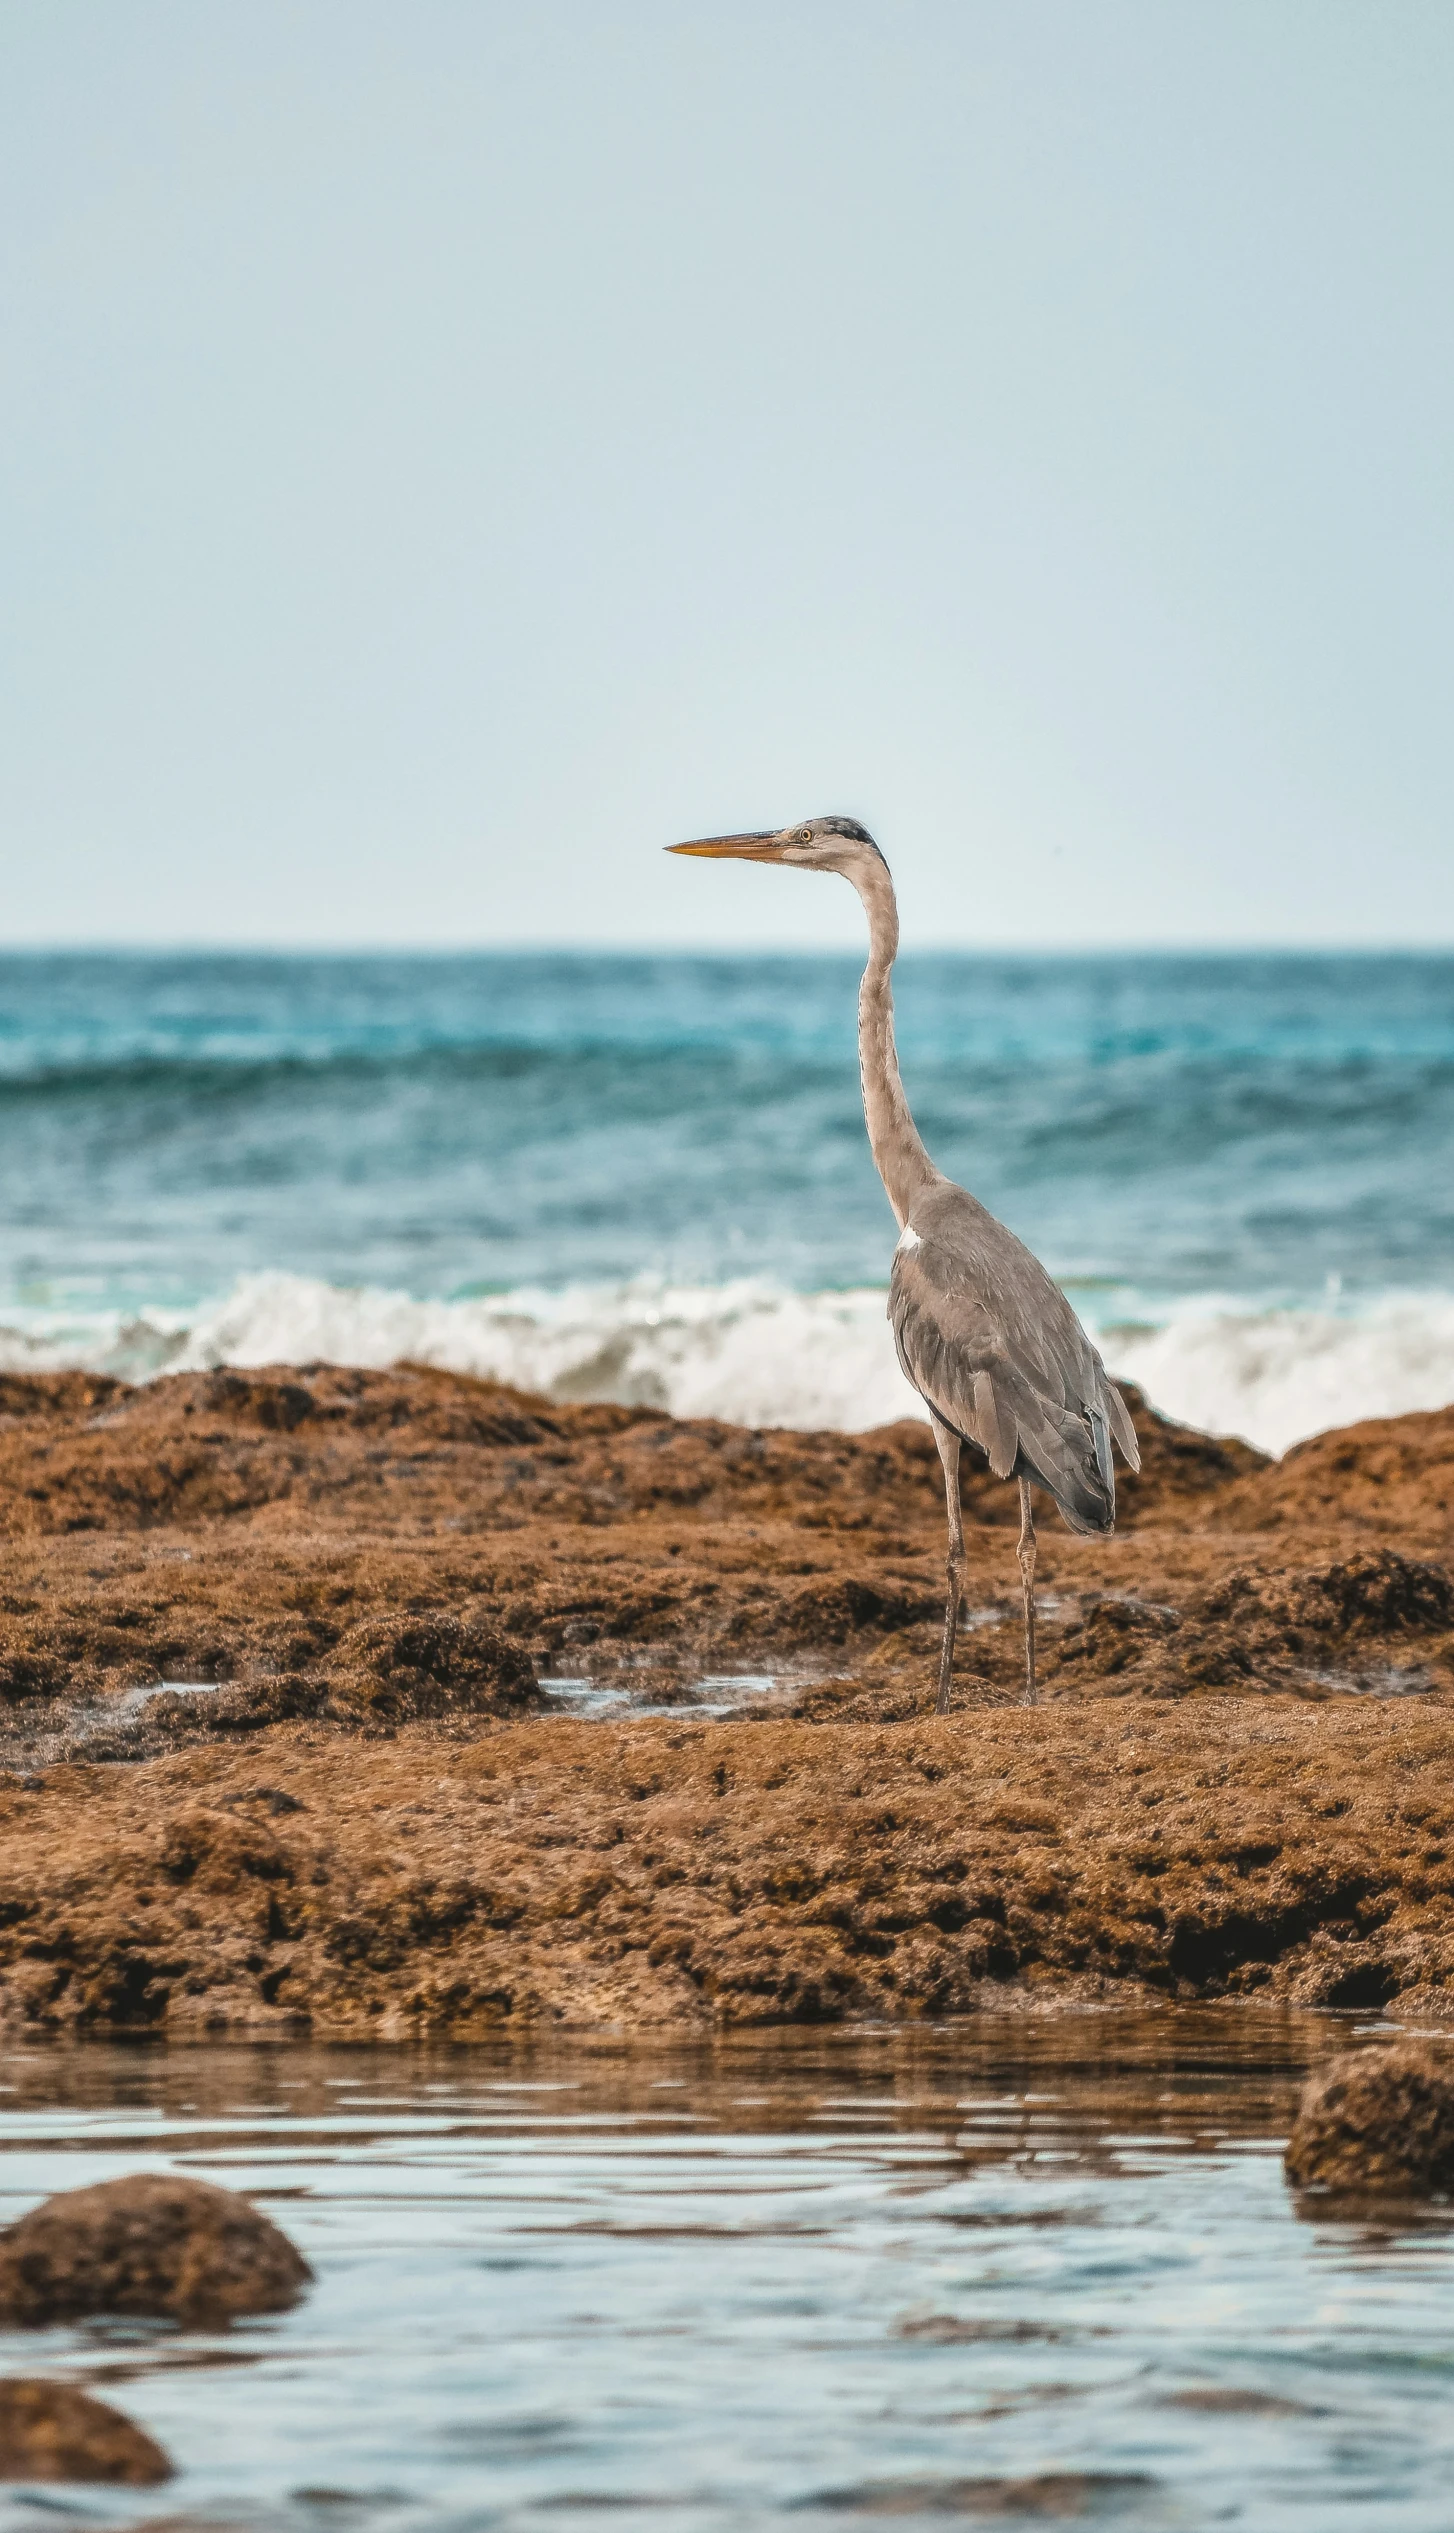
x: 847, y: 827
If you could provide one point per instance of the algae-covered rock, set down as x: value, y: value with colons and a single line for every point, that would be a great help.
x: 54, y: 2431
x: 151, y: 2243
x: 1376, y: 2120
x: 431, y: 1663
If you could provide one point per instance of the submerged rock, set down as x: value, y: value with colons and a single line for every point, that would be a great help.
x: 152, y: 2243
x: 1056, y: 2497
x: 54, y: 2431
x: 1376, y: 2120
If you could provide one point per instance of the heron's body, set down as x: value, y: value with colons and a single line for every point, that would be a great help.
x: 987, y: 1339
x: 998, y: 1356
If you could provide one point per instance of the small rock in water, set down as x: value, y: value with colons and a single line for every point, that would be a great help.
x: 151, y: 2243
x: 1234, y: 2401
x: 1056, y: 2497
x: 54, y: 2431
x: 1376, y: 2119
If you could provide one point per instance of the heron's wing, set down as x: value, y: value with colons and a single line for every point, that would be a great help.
x: 994, y: 1348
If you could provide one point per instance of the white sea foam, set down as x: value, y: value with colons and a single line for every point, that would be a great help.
x: 756, y: 1353
x: 1277, y: 1376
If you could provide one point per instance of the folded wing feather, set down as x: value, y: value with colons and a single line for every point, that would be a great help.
x: 995, y: 1350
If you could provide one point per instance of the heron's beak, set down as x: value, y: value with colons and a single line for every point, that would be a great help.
x: 765, y: 846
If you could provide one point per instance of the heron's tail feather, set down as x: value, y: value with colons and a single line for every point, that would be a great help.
x: 1118, y: 1416
x: 1069, y: 1455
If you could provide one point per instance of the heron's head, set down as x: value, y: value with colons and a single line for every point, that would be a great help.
x: 814, y: 844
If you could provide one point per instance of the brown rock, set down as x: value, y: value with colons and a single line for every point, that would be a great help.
x: 429, y: 1663
x: 1231, y: 2401
x: 29, y: 1667
x: 1055, y: 2497
x: 1376, y: 2120
x: 370, y: 1568
x: 1386, y: 1475
x: 150, y: 2243
x: 53, y: 2431
x: 1294, y: 1628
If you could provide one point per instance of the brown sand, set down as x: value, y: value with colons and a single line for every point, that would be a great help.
x: 1238, y: 1781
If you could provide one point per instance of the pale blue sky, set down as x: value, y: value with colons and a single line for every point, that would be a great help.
x: 451, y: 450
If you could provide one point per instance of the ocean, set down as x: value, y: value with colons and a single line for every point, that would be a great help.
x: 646, y: 1177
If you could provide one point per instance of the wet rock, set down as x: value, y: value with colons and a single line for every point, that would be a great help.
x: 1051, y: 2497
x: 1376, y: 2120
x: 268, y: 1798
x: 242, y: 1706
x: 395, y: 1669
x: 149, y: 2244
x: 54, y: 2431
x: 1394, y: 1474
x: 277, y: 1406
x: 386, y: 1671
x: 954, y: 2330
x: 669, y: 1871
x: 1375, y: 1592
x: 1121, y: 1642
x: 25, y: 1394
x: 1232, y: 2401
x: 829, y: 1613
x: 1347, y: 1974
x: 221, y: 1850
x: 1289, y: 1629
x: 392, y: 1560
x: 29, y: 1666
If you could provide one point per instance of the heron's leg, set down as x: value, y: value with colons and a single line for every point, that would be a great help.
x: 1027, y: 1578
x: 954, y: 1570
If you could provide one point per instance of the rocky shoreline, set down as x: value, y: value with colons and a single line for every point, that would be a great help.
x: 381, y: 1818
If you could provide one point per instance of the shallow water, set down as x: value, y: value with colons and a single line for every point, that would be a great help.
x: 817, y: 2277
x: 714, y: 1693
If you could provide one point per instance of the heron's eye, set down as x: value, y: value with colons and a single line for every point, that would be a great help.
x: 805, y: 835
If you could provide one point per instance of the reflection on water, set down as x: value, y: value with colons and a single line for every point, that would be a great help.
x: 662, y: 1693
x: 1036, y: 2267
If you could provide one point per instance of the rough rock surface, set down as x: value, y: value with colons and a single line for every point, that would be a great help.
x: 54, y: 2431
x: 150, y: 2243
x: 672, y: 1870
x: 1238, y: 1780
x: 1253, y: 1629
x: 1376, y: 2120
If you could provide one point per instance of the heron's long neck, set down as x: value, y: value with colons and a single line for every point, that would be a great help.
x: 900, y: 1157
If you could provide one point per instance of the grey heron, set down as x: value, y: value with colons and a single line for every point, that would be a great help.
x: 983, y: 1334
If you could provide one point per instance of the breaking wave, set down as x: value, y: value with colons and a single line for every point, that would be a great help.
x: 759, y: 1353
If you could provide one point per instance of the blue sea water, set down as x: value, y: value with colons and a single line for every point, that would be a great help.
x: 197, y: 1151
